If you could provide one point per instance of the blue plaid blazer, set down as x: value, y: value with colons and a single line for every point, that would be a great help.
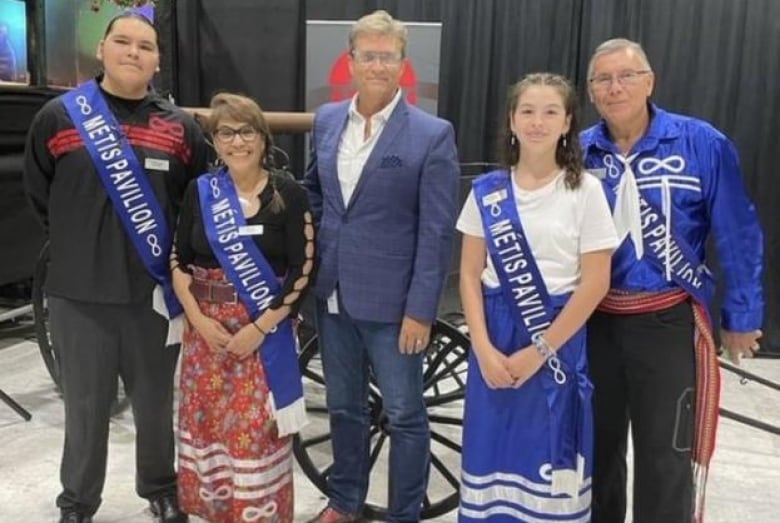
x: 388, y: 248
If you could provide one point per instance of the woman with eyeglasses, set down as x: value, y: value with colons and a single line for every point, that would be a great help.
x: 243, y: 260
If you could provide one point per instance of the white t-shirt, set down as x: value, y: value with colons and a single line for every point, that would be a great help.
x: 560, y: 224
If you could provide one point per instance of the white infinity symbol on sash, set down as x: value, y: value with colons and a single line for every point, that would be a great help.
x: 154, y: 243
x: 83, y: 104
x: 555, y: 365
x: 255, y: 514
x: 214, y: 183
x: 495, y: 210
x: 674, y: 164
x: 613, y: 171
x: 223, y: 492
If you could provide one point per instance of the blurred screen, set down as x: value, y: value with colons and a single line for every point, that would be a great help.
x: 73, y: 31
x: 13, y: 41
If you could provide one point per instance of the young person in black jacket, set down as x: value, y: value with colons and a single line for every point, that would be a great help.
x: 106, y: 166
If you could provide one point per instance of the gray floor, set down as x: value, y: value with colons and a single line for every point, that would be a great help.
x: 743, y: 481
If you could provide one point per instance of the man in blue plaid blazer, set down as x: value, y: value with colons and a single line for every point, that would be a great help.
x: 383, y: 183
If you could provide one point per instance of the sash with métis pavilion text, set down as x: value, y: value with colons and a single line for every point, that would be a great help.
x: 128, y: 188
x: 256, y: 285
x: 524, y: 289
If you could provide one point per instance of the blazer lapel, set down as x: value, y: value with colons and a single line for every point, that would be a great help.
x: 331, y: 145
x: 393, y: 126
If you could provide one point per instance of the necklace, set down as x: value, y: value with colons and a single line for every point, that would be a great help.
x: 246, y: 198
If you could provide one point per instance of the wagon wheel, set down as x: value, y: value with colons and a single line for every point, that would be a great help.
x: 49, y: 353
x: 444, y: 372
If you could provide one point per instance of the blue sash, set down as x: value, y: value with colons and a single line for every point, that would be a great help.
x: 126, y: 183
x: 533, y: 310
x: 256, y: 285
x: 686, y: 269
x: 521, y: 281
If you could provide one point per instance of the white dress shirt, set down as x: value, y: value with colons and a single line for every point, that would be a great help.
x: 355, y: 147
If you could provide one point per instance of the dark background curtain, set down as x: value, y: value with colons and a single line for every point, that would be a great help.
x: 714, y: 59
x: 717, y: 60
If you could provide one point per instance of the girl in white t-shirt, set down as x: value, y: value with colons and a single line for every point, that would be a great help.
x: 537, y: 242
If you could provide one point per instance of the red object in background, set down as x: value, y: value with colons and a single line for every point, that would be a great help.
x: 340, y: 80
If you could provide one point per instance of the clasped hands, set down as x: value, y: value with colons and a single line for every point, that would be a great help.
x: 242, y: 344
x: 501, y: 371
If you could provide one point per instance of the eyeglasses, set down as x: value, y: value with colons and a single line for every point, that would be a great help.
x: 624, y: 78
x: 367, y: 57
x: 226, y: 134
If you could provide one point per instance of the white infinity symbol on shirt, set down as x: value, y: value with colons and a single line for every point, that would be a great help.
x: 555, y: 365
x: 255, y: 514
x: 223, y: 492
x: 674, y: 164
x: 613, y: 171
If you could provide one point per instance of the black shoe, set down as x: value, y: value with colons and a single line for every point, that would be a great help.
x: 72, y: 516
x: 166, y: 510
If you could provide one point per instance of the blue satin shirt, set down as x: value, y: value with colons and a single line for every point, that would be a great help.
x: 690, y: 170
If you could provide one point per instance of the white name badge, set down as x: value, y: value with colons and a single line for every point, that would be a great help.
x: 494, y: 197
x: 598, y: 173
x: 250, y: 230
x: 157, y: 164
x: 333, y: 302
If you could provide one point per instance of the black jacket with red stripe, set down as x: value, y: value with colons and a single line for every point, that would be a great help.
x: 91, y: 256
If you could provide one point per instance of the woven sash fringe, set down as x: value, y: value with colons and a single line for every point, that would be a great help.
x: 707, y: 375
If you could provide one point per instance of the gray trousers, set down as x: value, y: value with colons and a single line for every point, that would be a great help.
x: 97, y: 343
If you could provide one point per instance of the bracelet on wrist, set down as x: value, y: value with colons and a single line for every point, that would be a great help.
x: 259, y: 329
x: 543, y: 346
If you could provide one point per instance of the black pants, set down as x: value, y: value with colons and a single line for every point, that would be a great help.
x: 98, y: 343
x: 643, y: 371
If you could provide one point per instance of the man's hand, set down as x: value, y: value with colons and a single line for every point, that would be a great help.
x: 414, y: 336
x: 740, y: 344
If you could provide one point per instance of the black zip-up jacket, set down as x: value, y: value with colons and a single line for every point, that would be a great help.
x: 91, y: 257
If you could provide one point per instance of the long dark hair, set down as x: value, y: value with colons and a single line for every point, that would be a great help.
x: 568, y: 155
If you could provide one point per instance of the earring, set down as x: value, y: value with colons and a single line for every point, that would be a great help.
x: 512, y: 139
x: 563, y: 136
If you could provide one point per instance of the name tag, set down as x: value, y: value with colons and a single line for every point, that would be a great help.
x: 494, y: 197
x: 157, y: 164
x: 333, y: 302
x: 598, y: 173
x: 250, y: 230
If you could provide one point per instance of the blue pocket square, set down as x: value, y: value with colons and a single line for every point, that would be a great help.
x: 388, y: 162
